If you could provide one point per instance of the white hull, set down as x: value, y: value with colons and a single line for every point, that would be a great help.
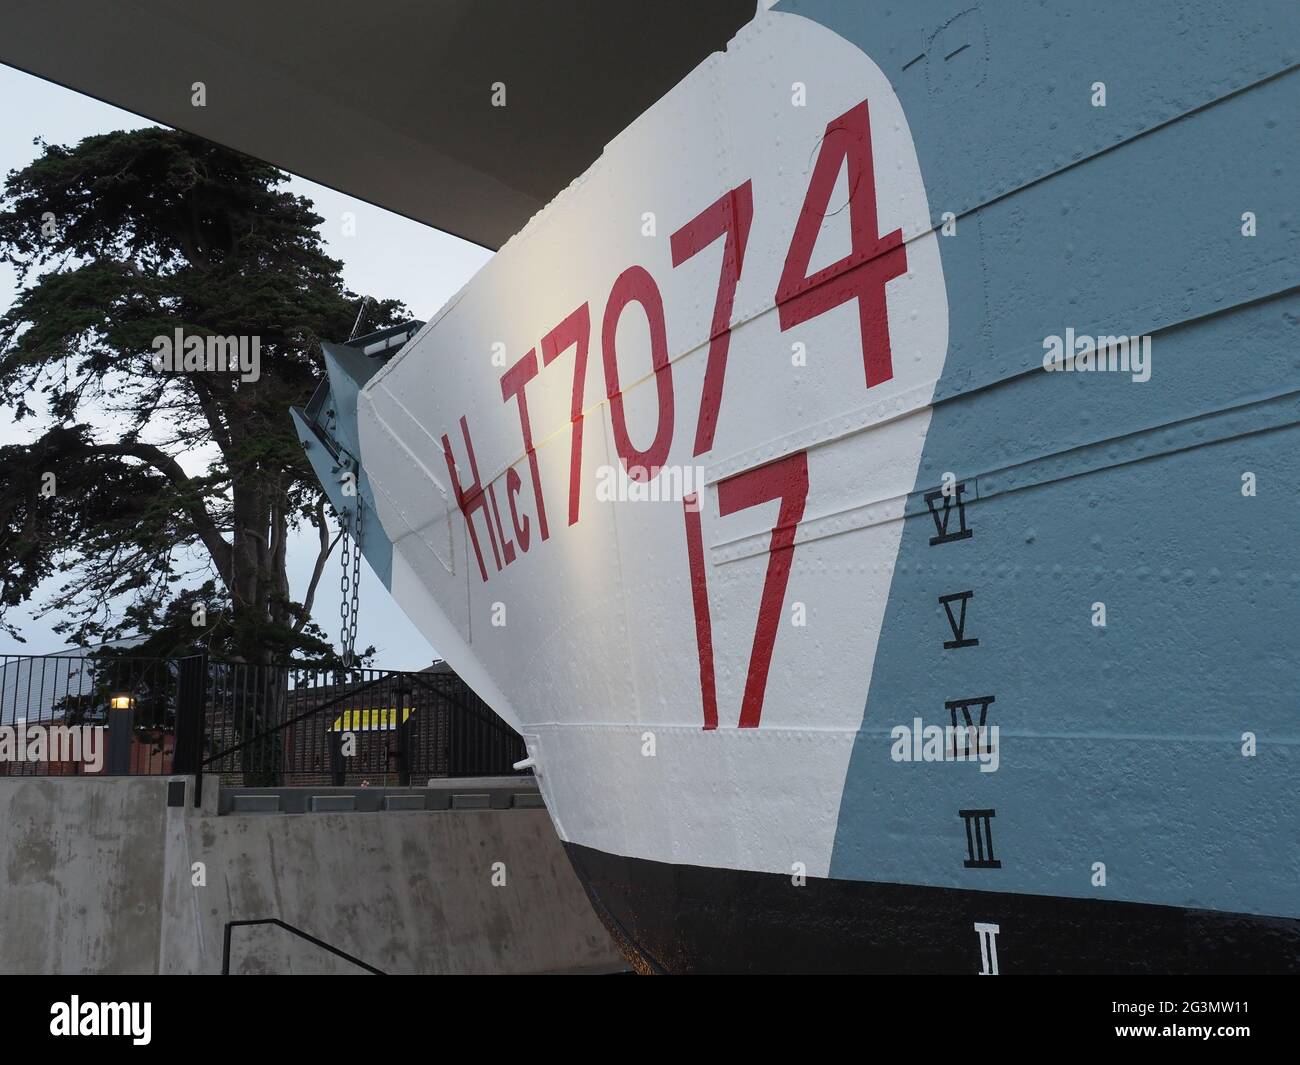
x: 597, y: 659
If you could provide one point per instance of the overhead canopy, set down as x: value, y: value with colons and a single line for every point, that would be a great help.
x: 390, y: 101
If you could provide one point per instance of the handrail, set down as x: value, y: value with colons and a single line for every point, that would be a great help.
x: 225, y: 951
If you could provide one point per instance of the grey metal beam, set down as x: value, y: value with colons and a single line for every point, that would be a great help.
x: 387, y: 100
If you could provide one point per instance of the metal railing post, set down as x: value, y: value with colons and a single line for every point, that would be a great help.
x: 191, y: 689
x: 402, y: 688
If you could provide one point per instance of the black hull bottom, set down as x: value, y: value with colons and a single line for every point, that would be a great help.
x: 689, y: 919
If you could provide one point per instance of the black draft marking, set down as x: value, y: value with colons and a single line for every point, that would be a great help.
x: 957, y: 621
x: 964, y: 705
x: 968, y: 726
x: 979, y: 839
x: 941, y: 519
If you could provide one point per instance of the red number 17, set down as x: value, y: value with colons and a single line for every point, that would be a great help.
x: 786, y: 480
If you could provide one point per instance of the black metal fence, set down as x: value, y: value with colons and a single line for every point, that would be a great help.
x: 288, y: 725
x: 65, y: 715
x: 252, y: 724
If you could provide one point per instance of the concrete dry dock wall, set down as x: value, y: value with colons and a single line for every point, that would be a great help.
x: 98, y: 877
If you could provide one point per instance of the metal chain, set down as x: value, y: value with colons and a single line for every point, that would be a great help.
x: 356, y: 577
x: 350, y: 584
x: 345, y: 603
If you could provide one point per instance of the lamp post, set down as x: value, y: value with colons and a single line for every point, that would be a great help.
x: 121, y: 712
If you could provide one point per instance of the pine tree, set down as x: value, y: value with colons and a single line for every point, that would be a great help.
x: 118, y: 241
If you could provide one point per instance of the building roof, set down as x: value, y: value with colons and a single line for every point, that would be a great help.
x: 41, y: 687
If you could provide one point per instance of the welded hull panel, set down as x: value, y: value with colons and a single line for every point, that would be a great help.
x: 826, y: 270
x: 686, y: 919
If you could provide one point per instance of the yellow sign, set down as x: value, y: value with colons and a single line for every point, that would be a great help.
x: 369, y: 720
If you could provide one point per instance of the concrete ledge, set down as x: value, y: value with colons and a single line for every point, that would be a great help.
x: 255, y: 804
x: 404, y: 802
x: 465, y: 793
x: 333, y: 804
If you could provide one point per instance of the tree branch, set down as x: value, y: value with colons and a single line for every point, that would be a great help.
x: 326, y: 549
x: 198, y: 514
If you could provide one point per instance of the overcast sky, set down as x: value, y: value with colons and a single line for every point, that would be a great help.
x: 388, y: 256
